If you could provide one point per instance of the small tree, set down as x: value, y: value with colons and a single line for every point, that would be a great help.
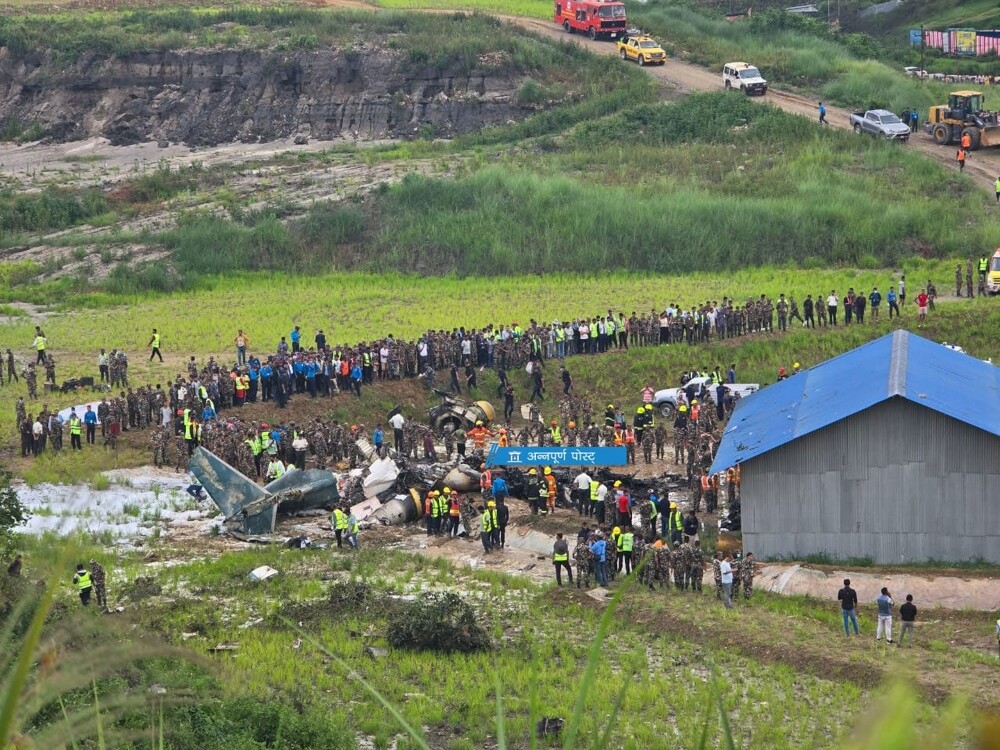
x: 12, y: 514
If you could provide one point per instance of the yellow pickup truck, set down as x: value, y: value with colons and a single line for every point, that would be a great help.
x: 642, y: 49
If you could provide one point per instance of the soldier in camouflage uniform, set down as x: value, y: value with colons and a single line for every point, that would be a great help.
x: 583, y: 556
x: 696, y: 568
x: 679, y: 565
x: 748, y: 569
x: 317, y: 439
x: 50, y: 370
x: 737, y: 566
x: 686, y: 558
x: 98, y: 579
x: 717, y: 574
x: 180, y: 453
x: 159, y: 445
x: 660, y: 439
x: 30, y: 376
x: 647, y: 446
x: 20, y: 412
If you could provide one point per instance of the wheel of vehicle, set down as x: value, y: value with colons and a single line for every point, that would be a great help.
x: 729, y: 86
x: 941, y: 134
x: 743, y: 88
x: 591, y: 33
x: 975, y: 137
x: 857, y: 128
x: 622, y: 55
x: 667, y: 410
x: 569, y: 29
x: 642, y: 61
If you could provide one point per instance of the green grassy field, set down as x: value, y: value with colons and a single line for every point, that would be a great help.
x: 672, y: 660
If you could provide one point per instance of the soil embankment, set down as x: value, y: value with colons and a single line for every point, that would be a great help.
x: 207, y: 97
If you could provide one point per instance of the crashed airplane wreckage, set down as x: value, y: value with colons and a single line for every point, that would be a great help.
x: 382, y: 492
x: 389, y: 490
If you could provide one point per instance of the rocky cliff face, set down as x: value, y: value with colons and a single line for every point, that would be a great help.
x: 207, y: 97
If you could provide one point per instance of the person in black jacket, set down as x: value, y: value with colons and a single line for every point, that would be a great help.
x: 848, y: 598
x: 503, y: 516
x: 908, y: 613
x: 691, y: 527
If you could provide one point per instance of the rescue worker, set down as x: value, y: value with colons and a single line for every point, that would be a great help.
x: 479, y: 433
x: 625, y: 550
x: 275, y: 469
x: 339, y: 522
x: 551, y: 489
x: 454, y: 514
x: 675, y: 524
x: 83, y: 583
x: 532, y: 491
x: 560, y: 559
x: 555, y: 434
x: 486, y: 529
x: 154, y: 346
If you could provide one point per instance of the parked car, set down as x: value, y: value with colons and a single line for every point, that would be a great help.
x: 880, y: 123
x: 665, y: 401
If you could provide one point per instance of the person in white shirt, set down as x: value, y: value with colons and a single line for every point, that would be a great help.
x: 726, y: 569
x: 602, y: 493
x: 582, y: 493
x: 397, y: 421
x: 300, y: 445
x: 831, y: 307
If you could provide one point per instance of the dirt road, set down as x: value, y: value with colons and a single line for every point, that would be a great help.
x: 983, y: 167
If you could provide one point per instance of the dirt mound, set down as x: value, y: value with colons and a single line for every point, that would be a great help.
x: 208, y: 97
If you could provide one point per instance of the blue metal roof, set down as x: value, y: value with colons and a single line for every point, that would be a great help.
x: 899, y: 364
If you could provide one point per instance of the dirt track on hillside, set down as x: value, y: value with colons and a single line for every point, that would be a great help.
x: 983, y: 167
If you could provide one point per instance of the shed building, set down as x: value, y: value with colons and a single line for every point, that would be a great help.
x: 889, y: 452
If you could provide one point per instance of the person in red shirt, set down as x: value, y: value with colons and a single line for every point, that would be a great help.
x: 624, y: 508
x: 922, y: 303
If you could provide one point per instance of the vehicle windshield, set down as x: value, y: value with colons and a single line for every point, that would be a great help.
x: 890, y: 119
x: 648, y: 45
x: 611, y: 11
x: 995, y: 265
x: 750, y: 73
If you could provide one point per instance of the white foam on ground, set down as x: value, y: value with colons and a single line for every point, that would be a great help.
x: 138, y: 503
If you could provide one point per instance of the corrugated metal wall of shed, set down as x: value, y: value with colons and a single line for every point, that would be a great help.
x: 896, y: 483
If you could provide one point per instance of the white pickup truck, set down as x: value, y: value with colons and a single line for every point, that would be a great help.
x: 666, y: 400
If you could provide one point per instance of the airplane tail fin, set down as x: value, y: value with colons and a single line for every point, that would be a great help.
x: 228, y: 488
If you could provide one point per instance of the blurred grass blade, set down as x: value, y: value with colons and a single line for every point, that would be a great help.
x: 615, y: 708
x: 593, y: 659
x: 727, y: 732
x: 369, y: 688
x: 69, y: 726
x: 501, y: 729
x: 15, y: 685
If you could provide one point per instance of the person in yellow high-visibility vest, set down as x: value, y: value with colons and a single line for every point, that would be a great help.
x: 154, y: 346
x: 40, y: 343
x: 560, y: 559
x: 84, y: 584
x: 75, y: 430
x: 339, y: 522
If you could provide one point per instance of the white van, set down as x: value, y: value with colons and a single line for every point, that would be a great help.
x: 745, y: 77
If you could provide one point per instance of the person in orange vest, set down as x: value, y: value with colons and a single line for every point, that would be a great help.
x: 619, y: 436
x: 485, y: 482
x: 479, y: 435
x: 630, y: 444
x: 552, y: 488
x: 454, y: 513
x: 695, y: 409
x: 503, y: 441
x: 960, y: 156
x: 429, y: 503
x: 966, y: 141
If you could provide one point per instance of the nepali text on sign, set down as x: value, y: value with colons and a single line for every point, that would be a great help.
x: 556, y: 456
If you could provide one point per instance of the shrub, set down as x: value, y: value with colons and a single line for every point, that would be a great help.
x: 439, y: 622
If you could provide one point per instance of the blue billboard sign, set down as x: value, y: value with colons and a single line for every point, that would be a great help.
x: 556, y: 456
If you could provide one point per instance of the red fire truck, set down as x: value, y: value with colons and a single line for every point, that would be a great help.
x: 595, y: 18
